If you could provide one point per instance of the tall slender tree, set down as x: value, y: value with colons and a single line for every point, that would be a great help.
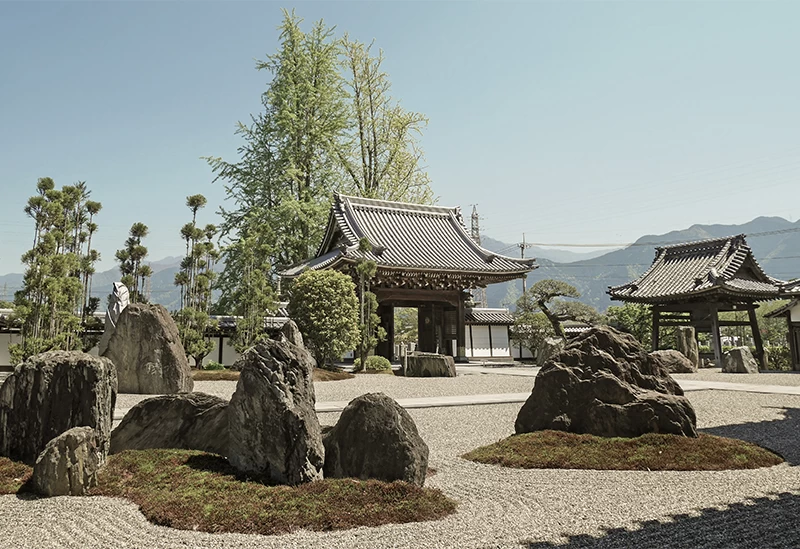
x: 130, y: 260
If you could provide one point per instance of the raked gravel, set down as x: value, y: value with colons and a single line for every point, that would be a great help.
x: 500, y: 507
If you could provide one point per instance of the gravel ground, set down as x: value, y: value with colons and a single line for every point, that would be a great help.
x: 505, y: 507
x: 394, y: 386
x: 763, y: 378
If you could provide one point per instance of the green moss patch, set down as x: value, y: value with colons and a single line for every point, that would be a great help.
x: 650, y: 452
x: 13, y: 475
x: 192, y: 490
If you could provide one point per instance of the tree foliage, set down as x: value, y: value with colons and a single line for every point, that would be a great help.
x: 379, y: 152
x: 55, y: 288
x: 543, y: 297
x: 325, y: 308
x: 195, y: 279
x: 633, y: 318
x: 130, y: 260
x: 328, y: 124
x: 370, y: 332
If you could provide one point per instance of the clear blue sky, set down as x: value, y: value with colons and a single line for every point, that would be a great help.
x: 573, y: 122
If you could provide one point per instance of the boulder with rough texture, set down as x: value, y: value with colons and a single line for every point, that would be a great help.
x: 739, y: 360
x: 273, y: 431
x: 674, y: 361
x: 69, y: 463
x: 146, y: 349
x: 375, y: 438
x: 430, y: 365
x: 292, y: 333
x: 550, y: 347
x: 51, y: 393
x: 193, y: 421
x: 604, y: 383
x: 687, y: 345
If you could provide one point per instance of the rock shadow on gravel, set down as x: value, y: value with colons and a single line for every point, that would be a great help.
x: 770, y: 521
x: 778, y: 435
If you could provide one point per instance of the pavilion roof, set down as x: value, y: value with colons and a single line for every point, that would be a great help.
x: 407, y: 238
x: 720, y: 268
x: 485, y: 315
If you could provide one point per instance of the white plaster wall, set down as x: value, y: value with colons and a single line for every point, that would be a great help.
x: 480, y: 342
x: 5, y: 341
x: 500, y: 342
x: 795, y: 312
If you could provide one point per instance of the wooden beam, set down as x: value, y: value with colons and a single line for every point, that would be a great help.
x: 461, y: 347
x: 757, y: 337
x: 716, y: 341
x: 656, y: 314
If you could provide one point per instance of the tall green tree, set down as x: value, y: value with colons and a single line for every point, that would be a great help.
x: 380, y: 151
x: 130, y: 260
x: 196, y: 279
x: 51, y: 301
x: 287, y: 169
x: 633, y: 318
x: 370, y: 333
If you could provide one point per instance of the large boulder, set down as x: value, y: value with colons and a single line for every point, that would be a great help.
x: 687, y: 345
x: 68, y: 464
x: 191, y: 421
x: 549, y: 347
x: 51, y: 393
x: 146, y: 349
x: 430, y: 365
x: 739, y: 360
x: 375, y: 438
x: 604, y: 383
x: 273, y: 431
x: 674, y: 361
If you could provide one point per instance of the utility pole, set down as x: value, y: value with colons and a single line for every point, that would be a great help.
x: 522, y: 247
x: 479, y: 294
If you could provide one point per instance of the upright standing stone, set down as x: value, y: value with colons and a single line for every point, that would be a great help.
x: 550, y: 347
x: 292, y: 333
x: 146, y: 349
x: 273, y: 431
x: 687, y: 344
x: 69, y: 463
x: 739, y: 360
x: 50, y: 393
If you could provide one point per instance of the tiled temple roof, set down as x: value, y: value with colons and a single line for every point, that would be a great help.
x: 703, y: 269
x: 480, y: 315
x: 407, y: 237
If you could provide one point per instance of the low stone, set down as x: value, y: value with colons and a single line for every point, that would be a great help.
x: 146, y: 349
x: 292, y: 333
x: 375, y: 438
x: 193, y: 421
x: 272, y: 425
x: 739, y: 360
x: 687, y: 345
x: 550, y: 347
x: 68, y: 464
x: 51, y: 393
x: 604, y: 383
x: 430, y: 365
x: 674, y: 361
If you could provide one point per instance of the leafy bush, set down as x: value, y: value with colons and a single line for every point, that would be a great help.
x: 779, y: 357
x: 373, y: 364
x: 325, y: 308
x: 214, y: 365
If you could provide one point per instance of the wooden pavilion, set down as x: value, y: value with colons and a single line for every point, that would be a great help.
x: 690, y: 284
x: 425, y: 258
x: 791, y: 311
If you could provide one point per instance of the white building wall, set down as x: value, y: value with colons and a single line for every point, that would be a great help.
x: 795, y: 312
x: 5, y: 341
x: 480, y: 342
x: 500, y: 347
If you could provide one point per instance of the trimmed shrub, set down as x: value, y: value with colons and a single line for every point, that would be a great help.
x: 373, y: 364
x: 213, y: 365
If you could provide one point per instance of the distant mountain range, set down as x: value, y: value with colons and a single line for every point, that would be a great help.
x: 774, y: 240
x: 775, y: 243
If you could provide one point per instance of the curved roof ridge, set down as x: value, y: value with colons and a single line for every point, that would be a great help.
x: 393, y: 205
x: 696, y: 245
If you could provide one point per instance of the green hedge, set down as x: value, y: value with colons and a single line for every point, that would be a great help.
x: 373, y: 364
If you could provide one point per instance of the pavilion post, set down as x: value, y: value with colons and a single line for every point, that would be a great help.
x: 751, y: 313
x: 656, y: 321
x: 716, y: 341
x: 461, y: 344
